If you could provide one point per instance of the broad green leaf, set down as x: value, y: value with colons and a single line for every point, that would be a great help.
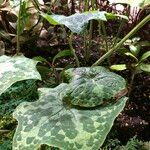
x: 135, y: 49
x: 133, y: 3
x: 51, y: 121
x: 145, y: 56
x: 77, y: 22
x: 118, y: 67
x: 39, y: 58
x: 17, y: 68
x: 131, y: 55
x: 89, y: 87
x: 114, y: 16
x: 145, y: 67
x: 63, y: 53
x: 50, y: 19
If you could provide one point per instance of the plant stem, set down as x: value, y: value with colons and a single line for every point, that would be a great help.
x: 89, y: 41
x: 115, y: 48
x: 86, y: 5
x: 134, y: 72
x: 18, y: 30
x: 118, y: 33
x: 73, y: 50
x: 104, y: 35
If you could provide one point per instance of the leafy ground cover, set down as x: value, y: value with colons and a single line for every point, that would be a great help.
x: 67, y: 101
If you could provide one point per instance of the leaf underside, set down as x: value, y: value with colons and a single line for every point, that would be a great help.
x: 49, y: 121
x: 17, y: 68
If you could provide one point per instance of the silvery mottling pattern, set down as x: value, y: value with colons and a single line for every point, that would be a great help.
x: 49, y: 121
x: 56, y: 120
x: 17, y: 68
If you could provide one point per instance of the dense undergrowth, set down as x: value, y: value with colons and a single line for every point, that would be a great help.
x: 115, y: 36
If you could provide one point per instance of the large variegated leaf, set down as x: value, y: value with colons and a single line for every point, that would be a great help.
x: 92, y: 86
x: 133, y: 3
x: 17, y: 68
x: 76, y: 22
x: 51, y: 121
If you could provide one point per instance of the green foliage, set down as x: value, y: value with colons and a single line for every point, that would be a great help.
x: 77, y: 22
x: 139, y: 64
x: 15, y: 69
x: 63, y: 53
x: 6, y: 145
x: 23, y: 17
x: 93, y: 86
x: 57, y: 122
x: 17, y: 93
x: 7, y: 126
x: 132, y: 144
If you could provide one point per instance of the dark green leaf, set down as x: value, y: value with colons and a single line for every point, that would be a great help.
x: 145, y: 56
x: 39, y: 58
x: 63, y: 53
x: 135, y: 49
x: 145, y: 67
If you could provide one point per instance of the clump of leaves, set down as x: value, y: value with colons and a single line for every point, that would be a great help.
x: 139, y: 64
x: 132, y: 144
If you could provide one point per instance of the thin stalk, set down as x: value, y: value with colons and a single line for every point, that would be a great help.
x: 73, y: 50
x: 104, y: 35
x: 134, y: 72
x: 118, y: 33
x: 89, y: 42
x: 87, y: 50
x: 86, y: 5
x: 115, y: 48
x: 121, y: 25
x: 18, y: 30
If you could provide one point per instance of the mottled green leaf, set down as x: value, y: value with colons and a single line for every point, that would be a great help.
x: 118, y: 67
x: 17, y: 68
x: 92, y: 86
x: 145, y: 67
x: 51, y: 121
x: 76, y: 22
